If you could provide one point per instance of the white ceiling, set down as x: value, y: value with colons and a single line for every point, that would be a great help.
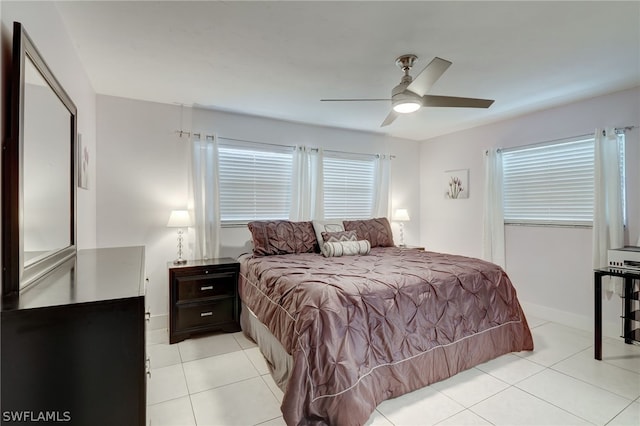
x: 278, y: 59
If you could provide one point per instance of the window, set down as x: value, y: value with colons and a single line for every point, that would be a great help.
x: 254, y: 182
x: 348, y: 186
x: 551, y: 184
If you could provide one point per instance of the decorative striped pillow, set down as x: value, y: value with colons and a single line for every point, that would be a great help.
x: 346, y: 248
x: 332, y: 237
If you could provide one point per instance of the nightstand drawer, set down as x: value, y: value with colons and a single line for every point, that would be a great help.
x: 218, y: 312
x: 203, y: 286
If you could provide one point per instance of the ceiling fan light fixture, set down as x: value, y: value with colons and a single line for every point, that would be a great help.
x: 406, y: 106
x: 404, y: 101
x: 409, y: 95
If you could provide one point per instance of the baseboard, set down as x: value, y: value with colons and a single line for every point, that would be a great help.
x: 582, y: 322
x: 158, y: 322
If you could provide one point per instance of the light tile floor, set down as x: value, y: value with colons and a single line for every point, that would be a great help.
x: 223, y: 379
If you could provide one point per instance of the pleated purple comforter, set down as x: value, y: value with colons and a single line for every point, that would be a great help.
x: 363, y: 329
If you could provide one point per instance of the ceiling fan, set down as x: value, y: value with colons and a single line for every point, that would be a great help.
x: 409, y: 95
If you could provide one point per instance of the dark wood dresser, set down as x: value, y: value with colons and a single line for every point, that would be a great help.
x: 73, y: 347
x: 203, y: 297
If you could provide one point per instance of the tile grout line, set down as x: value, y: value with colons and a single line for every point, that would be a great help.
x: 619, y: 412
x: 383, y: 416
x: 222, y: 386
x: 451, y: 398
x: 193, y: 411
x: 551, y: 403
x: 269, y: 387
x: 594, y: 385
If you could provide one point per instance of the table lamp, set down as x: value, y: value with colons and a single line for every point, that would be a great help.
x: 401, y: 215
x: 179, y: 219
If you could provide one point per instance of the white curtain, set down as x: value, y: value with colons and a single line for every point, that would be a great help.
x: 608, y: 227
x: 493, y: 219
x: 307, y: 201
x: 204, y: 207
x: 381, y: 186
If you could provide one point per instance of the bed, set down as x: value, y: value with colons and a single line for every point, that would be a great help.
x: 344, y: 333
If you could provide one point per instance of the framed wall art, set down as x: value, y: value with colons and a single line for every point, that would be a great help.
x: 456, y: 184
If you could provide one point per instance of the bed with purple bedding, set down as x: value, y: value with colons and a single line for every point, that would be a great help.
x: 365, y: 328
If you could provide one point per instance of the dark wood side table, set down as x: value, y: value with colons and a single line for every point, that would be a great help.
x: 631, y: 331
x: 203, y: 297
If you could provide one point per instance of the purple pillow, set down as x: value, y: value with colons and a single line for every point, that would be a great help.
x: 282, y: 237
x: 377, y: 231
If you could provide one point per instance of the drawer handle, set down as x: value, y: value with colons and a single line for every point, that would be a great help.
x: 206, y: 287
x: 206, y: 314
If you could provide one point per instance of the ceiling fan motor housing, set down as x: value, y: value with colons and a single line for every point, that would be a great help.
x: 405, y: 62
x: 403, y: 100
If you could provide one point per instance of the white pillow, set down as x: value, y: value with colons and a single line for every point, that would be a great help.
x: 346, y: 248
x: 320, y: 226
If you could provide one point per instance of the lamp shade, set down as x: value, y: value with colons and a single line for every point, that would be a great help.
x: 179, y: 219
x: 401, y: 215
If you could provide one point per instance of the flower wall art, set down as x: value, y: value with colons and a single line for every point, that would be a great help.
x: 457, y: 184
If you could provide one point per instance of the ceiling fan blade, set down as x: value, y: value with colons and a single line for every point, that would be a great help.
x: 353, y: 100
x: 390, y: 118
x: 428, y: 76
x: 452, y: 101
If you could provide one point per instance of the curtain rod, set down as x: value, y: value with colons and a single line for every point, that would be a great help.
x: 617, y: 130
x: 257, y: 143
x: 333, y: 151
x: 182, y: 133
x: 622, y: 130
x: 543, y: 143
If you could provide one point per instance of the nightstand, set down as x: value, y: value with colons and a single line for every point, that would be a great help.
x: 203, y: 297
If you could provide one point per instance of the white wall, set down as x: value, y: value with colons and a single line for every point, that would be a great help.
x: 45, y: 27
x: 142, y: 173
x: 550, y: 267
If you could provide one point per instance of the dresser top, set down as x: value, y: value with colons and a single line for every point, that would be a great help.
x: 93, y: 275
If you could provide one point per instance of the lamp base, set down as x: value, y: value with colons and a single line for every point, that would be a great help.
x: 180, y: 261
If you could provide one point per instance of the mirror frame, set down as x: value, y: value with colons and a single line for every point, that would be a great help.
x: 15, y: 276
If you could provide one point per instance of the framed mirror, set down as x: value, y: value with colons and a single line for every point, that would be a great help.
x: 38, y: 171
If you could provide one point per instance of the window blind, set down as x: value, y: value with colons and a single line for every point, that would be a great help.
x: 254, y: 183
x: 348, y: 187
x: 550, y: 184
